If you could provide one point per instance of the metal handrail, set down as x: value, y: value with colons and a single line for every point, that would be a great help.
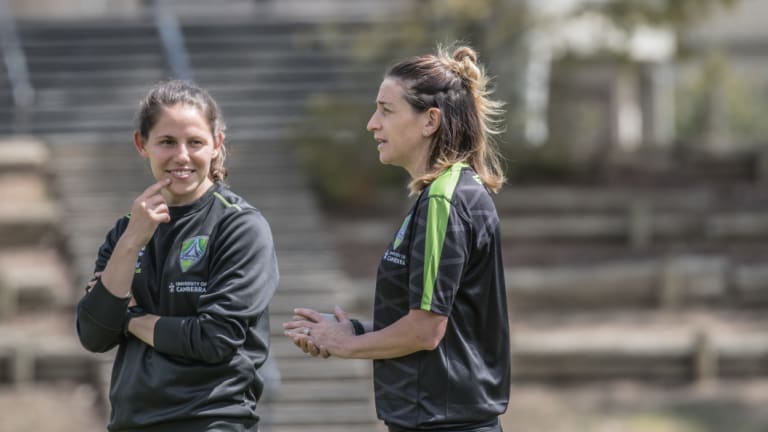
x: 16, y: 65
x: 172, y: 37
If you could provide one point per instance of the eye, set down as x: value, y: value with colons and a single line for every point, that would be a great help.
x: 167, y: 141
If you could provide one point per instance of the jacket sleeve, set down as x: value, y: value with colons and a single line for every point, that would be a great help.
x: 439, y: 254
x: 100, y: 314
x: 243, y: 277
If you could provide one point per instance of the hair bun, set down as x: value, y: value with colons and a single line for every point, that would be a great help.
x: 464, y: 52
x: 466, y: 58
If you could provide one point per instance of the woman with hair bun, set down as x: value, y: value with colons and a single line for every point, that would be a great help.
x: 440, y: 334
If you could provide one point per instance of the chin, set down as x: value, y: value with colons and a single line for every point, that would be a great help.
x: 181, y: 190
x: 384, y: 159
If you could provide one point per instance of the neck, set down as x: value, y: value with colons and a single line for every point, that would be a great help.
x: 418, y: 167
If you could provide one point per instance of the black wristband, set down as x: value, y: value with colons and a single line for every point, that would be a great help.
x: 130, y: 313
x: 358, y: 326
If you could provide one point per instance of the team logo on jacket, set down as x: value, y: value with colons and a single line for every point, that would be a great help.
x: 192, y: 250
x: 401, y: 233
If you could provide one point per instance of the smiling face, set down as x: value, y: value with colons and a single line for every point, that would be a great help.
x: 180, y: 146
x: 403, y: 134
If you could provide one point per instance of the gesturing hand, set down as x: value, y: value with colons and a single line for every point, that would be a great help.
x: 302, y: 338
x: 316, y: 335
x: 148, y: 211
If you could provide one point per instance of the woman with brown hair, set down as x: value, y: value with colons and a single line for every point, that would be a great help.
x: 440, y: 334
x: 182, y: 284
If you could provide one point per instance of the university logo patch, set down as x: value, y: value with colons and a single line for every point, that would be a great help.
x: 192, y: 249
x: 401, y: 233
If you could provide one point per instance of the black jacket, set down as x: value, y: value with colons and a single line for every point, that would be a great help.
x: 210, y: 274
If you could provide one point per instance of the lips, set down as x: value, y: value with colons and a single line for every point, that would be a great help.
x: 181, y: 174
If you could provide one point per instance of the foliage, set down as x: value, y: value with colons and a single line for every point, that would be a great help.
x: 677, y: 15
x: 716, y: 102
x: 625, y: 19
x: 339, y: 155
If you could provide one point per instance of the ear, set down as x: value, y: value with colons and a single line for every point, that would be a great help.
x: 217, y: 143
x: 140, y: 144
x: 432, y: 123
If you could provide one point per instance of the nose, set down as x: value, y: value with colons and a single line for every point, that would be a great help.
x: 182, y: 153
x: 373, y: 123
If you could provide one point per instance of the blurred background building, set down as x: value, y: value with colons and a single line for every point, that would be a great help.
x: 634, y: 221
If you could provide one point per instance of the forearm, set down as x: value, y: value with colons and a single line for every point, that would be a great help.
x: 414, y: 332
x: 100, y: 318
x: 383, y: 344
x: 173, y: 337
x: 117, y: 277
x: 143, y: 328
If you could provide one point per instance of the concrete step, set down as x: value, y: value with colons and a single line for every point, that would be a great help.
x: 640, y: 229
x: 309, y: 369
x: 81, y: 120
x: 24, y: 155
x: 67, y: 408
x: 568, y: 199
x: 30, y: 223
x: 91, y: 47
x: 358, y: 415
x: 84, y: 29
x: 122, y: 110
x: 141, y: 60
x: 33, y: 279
x: 672, y: 346
x: 674, y: 281
x: 26, y: 186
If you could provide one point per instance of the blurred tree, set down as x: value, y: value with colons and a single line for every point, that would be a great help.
x: 677, y: 15
x: 617, y: 26
x: 719, y: 110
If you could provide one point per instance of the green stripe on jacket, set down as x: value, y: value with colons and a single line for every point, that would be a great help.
x: 440, y: 194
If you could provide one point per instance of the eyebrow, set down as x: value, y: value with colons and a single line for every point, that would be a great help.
x: 174, y: 137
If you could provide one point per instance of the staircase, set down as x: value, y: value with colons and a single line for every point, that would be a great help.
x: 89, y: 78
x: 38, y: 349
